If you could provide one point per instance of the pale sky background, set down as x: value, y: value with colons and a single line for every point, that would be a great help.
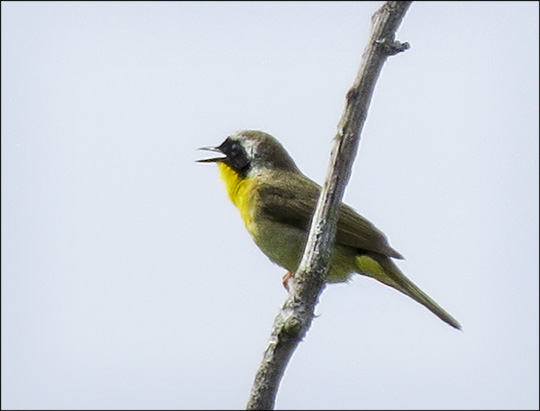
x: 128, y: 279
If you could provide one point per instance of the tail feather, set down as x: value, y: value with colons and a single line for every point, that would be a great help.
x: 393, y: 277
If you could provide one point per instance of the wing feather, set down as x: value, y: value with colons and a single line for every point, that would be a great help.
x: 294, y: 202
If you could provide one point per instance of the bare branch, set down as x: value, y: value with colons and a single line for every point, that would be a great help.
x: 296, y: 314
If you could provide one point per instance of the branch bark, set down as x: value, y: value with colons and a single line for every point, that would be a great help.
x: 296, y: 314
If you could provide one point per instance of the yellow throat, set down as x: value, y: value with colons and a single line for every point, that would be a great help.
x: 238, y: 188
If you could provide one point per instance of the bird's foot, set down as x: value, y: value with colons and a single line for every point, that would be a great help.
x: 286, y: 278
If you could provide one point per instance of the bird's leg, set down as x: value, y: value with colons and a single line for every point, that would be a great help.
x: 286, y: 279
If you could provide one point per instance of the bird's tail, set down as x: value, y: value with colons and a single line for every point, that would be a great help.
x: 383, y: 269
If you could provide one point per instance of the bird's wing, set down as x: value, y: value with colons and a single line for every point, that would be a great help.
x: 293, y: 202
x: 354, y: 230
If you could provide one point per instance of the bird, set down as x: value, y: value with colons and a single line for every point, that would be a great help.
x: 277, y: 202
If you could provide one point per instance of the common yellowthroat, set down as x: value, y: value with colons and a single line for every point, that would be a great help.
x: 276, y: 202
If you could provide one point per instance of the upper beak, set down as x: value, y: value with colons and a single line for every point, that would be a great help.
x: 212, y: 159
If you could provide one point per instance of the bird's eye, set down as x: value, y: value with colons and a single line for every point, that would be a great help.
x: 230, y: 148
x: 237, y: 155
x: 236, y: 150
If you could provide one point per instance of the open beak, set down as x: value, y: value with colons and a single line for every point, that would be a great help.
x: 212, y: 159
